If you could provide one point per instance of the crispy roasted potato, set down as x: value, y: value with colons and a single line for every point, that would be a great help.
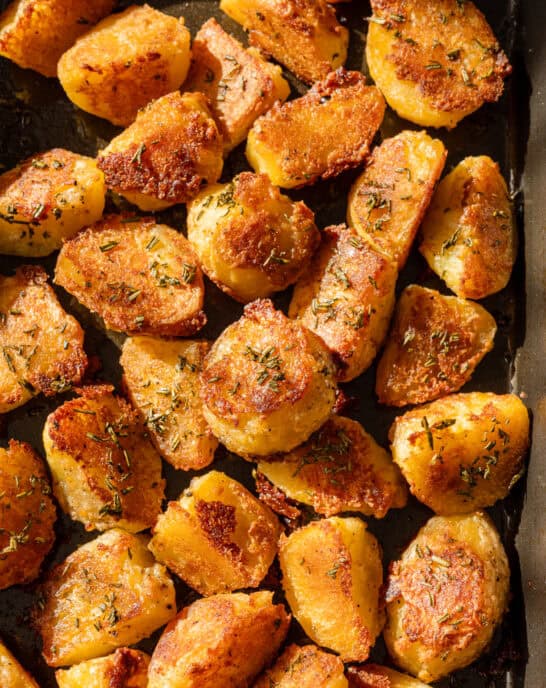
x: 434, y: 346
x: 42, y: 345
x: 304, y: 667
x: 224, y: 640
x: 389, y: 199
x: 435, y: 62
x: 469, y: 232
x: 139, y: 276
x: 299, y: 142
x: 12, y: 674
x: 374, y: 676
x: 446, y: 595
x: 167, y: 154
x: 346, y: 296
x: 332, y: 578
x: 268, y: 383
x: 303, y: 35
x: 107, y: 594
x: 125, y: 668
x: 250, y: 239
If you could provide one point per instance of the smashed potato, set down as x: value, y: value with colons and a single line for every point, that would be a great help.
x: 125, y: 668
x: 304, y: 667
x: 374, y: 676
x: 12, y: 674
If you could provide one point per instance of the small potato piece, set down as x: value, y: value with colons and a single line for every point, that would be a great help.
x: 332, y: 578
x: 435, y: 62
x: 304, y: 667
x: 346, y: 296
x: 389, y: 199
x: 469, y: 232
x: 12, y: 674
x: 374, y: 676
x: 125, y: 668
x: 303, y: 35
x: 446, y: 595
x: 434, y: 345
x: 167, y: 154
x: 299, y: 142
x: 224, y: 640
x: 139, y: 276
x: 268, y: 383
x: 251, y: 240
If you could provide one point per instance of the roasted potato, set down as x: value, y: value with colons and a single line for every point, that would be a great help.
x: 224, y: 640
x: 107, y: 594
x: 167, y: 154
x: 469, y: 232
x: 374, y: 676
x: 303, y: 35
x: 446, y: 595
x: 267, y: 384
x: 42, y: 345
x: 435, y: 62
x: 139, y: 276
x: 389, y: 199
x: 304, y: 667
x: 299, y: 142
x: 250, y: 239
x: 346, y: 296
x: 125, y: 668
x: 12, y: 674
x: 332, y: 578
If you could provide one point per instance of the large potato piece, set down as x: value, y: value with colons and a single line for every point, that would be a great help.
x: 304, y: 667
x: 125, y: 668
x: 12, y: 674
x: 374, y: 676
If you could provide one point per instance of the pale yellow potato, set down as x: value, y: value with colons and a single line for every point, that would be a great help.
x: 108, y: 593
x: 469, y: 232
x: 12, y: 674
x: 124, y: 668
x: 446, y: 595
x: 251, y: 240
x: 374, y: 676
x: 332, y: 579
x: 435, y: 62
x: 304, y: 667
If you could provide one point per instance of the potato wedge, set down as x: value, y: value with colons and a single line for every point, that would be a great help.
x: 304, y: 667
x: 12, y: 674
x: 374, y: 676
x: 125, y: 668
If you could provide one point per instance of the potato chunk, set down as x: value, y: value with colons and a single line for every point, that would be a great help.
x: 42, y: 345
x: 374, y: 676
x: 435, y: 62
x: 299, y: 142
x: 125, y: 668
x: 167, y: 154
x: 224, y: 640
x: 433, y: 348
x: 268, y: 383
x: 446, y: 595
x: 12, y: 674
x: 346, y: 296
x: 469, y: 232
x: 139, y: 276
x: 107, y: 594
x: 251, y: 240
x: 126, y: 61
x: 303, y: 35
x: 332, y: 578
x: 389, y: 199
x: 304, y: 667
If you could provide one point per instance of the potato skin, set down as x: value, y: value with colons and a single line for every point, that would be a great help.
x: 304, y: 667
x: 374, y: 676
x: 12, y: 674
x: 124, y: 668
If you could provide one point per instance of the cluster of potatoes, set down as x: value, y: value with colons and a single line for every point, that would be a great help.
x: 267, y: 388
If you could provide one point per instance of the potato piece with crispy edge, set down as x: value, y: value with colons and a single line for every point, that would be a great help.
x: 304, y: 667
x: 42, y: 345
x: 139, y: 276
x: 346, y: 296
x: 469, y: 232
x: 251, y: 240
x: 446, y: 595
x: 389, y: 199
x: 299, y: 142
x: 167, y: 154
x: 223, y: 640
x: 12, y: 674
x: 435, y: 62
x: 125, y: 668
x: 374, y: 676
x: 332, y: 579
x: 268, y: 383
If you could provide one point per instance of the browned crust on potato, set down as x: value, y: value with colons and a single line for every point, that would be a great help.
x: 126, y: 664
x: 368, y: 676
x: 274, y: 498
x: 307, y: 666
x: 218, y: 521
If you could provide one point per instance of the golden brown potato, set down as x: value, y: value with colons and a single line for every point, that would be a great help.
x: 434, y: 345
x: 268, y: 383
x: 224, y: 640
x: 42, y: 346
x: 12, y: 674
x: 303, y: 35
x: 125, y: 668
x: 167, y: 154
x: 107, y: 594
x: 374, y: 676
x: 250, y: 239
x: 139, y: 276
x: 469, y: 233
x: 304, y: 667
x: 162, y: 381
x: 463, y: 452
x: 299, y: 142
x: 389, y: 199
x: 435, y: 62
x: 346, y: 296
x: 332, y: 578
x: 446, y: 595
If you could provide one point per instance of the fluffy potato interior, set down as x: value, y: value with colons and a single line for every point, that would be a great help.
x: 128, y: 667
